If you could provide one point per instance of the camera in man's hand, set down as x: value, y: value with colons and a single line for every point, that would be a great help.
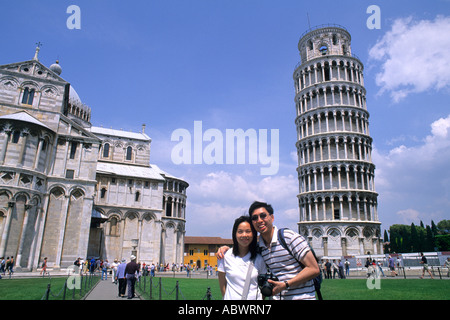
x: 264, y: 285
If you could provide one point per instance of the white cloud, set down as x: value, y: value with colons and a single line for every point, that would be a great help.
x: 238, y: 189
x: 415, y: 56
x: 440, y: 127
x: 413, y: 181
x: 213, y: 219
x: 432, y: 152
x: 409, y: 215
x: 220, y: 197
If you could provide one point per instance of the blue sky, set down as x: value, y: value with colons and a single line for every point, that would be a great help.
x: 229, y: 64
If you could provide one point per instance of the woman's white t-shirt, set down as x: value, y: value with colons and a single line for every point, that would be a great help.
x: 235, y: 269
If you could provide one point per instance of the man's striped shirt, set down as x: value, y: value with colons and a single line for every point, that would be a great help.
x: 285, y: 266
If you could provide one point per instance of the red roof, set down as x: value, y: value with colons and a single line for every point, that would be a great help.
x: 207, y: 240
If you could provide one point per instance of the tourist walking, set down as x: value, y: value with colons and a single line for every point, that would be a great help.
x: 347, y: 267
x: 335, y: 269
x: 11, y: 266
x: 92, y: 266
x: 44, y: 266
x: 131, y: 270
x: 447, y: 265
x: 8, y: 265
x: 105, y: 266
x: 392, y: 266
x: 424, y: 262
x: 380, y: 268
x: 152, y: 270
x: 114, y: 270
x: 120, y: 277
x: 2, y: 265
x: 328, y: 269
x: 341, y: 269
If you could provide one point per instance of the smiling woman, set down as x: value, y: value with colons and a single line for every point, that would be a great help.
x: 239, y: 269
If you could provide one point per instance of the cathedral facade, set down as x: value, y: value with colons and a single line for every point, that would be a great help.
x: 69, y: 189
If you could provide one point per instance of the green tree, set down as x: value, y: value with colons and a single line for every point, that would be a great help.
x: 443, y: 227
x: 429, y: 243
x: 415, y: 242
x: 442, y: 242
x: 400, y: 238
x: 404, y: 238
x: 421, y: 243
x: 434, y: 228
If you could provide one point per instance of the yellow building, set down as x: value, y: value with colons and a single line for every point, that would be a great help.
x: 200, y: 251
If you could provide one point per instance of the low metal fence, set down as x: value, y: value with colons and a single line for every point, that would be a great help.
x: 438, y: 272
x: 155, y: 290
x: 74, y: 288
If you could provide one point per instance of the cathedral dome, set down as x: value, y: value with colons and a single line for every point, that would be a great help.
x: 73, y: 95
x: 78, y: 108
x: 56, y: 68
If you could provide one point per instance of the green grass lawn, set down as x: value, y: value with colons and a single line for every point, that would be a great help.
x: 35, y: 289
x: 195, y: 289
x: 189, y: 289
x: 332, y: 289
x: 390, y: 289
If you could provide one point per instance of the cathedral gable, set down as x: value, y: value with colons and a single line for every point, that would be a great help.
x: 32, y: 68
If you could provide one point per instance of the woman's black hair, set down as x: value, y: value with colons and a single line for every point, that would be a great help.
x: 253, y: 245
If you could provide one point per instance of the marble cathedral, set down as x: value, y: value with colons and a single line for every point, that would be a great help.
x: 69, y: 189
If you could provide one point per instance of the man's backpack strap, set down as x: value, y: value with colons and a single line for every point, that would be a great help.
x: 318, y: 279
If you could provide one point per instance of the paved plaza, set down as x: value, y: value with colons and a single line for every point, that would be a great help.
x: 106, y: 290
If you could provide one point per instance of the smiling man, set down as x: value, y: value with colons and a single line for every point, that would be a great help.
x: 295, y: 271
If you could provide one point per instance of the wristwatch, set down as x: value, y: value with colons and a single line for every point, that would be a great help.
x: 287, y: 284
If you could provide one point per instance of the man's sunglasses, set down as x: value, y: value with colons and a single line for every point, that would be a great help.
x: 262, y: 216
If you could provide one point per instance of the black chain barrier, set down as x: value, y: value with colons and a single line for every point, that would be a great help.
x: 81, y: 287
x: 161, y: 289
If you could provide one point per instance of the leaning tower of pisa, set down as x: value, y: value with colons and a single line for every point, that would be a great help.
x: 337, y: 198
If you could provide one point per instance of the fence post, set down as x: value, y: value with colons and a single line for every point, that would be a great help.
x: 208, y: 293
x: 151, y: 287
x: 65, y: 288
x: 47, y: 294
x: 145, y: 280
x: 160, y: 289
x: 81, y: 285
x: 176, y: 291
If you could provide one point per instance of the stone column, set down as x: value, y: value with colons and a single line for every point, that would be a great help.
x: 25, y: 132
x: 6, y: 228
x: 7, y: 129
x: 344, y: 246
x: 62, y: 230
x: 38, y: 154
x: 325, y: 245
x: 18, y: 260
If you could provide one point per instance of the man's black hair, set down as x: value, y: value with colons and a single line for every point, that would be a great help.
x: 256, y: 205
